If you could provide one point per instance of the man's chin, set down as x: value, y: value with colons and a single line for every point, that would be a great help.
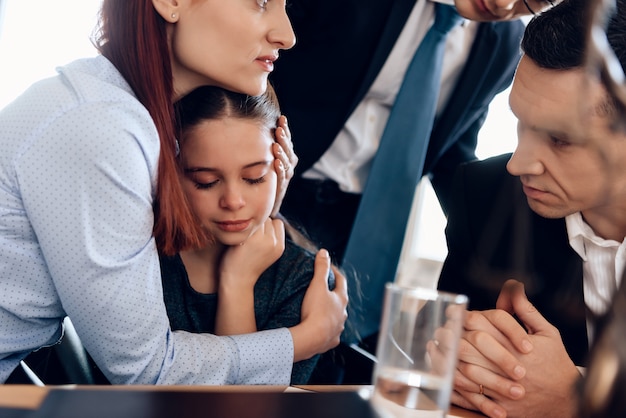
x: 546, y: 211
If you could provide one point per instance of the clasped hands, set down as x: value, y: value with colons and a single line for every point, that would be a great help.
x: 512, y: 362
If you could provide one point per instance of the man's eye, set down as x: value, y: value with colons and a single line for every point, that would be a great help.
x: 558, y: 142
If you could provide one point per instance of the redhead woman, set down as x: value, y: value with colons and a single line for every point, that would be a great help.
x: 88, y: 178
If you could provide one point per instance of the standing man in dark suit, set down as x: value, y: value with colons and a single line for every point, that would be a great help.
x: 338, y: 85
x: 556, y: 224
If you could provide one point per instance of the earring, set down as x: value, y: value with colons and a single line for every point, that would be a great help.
x: 173, y: 15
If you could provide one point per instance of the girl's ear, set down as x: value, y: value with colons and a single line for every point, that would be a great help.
x: 168, y: 9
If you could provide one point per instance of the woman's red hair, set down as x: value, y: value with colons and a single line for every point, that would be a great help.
x: 133, y: 37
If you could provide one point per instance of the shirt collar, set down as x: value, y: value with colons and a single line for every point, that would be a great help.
x: 578, y: 231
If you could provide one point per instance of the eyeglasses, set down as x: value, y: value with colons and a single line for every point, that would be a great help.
x: 551, y: 2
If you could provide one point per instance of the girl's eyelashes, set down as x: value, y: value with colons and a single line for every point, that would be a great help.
x: 203, y: 186
x: 255, y: 181
x: 204, y: 178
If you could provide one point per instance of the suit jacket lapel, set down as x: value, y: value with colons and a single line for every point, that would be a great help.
x: 398, y: 16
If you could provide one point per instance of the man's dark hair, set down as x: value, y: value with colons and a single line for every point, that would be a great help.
x: 556, y: 39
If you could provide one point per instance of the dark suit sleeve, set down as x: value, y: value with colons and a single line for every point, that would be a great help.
x: 462, y: 151
x: 489, y: 71
x: 476, y: 226
x: 454, y: 274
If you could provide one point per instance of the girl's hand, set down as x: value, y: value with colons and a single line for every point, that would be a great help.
x: 242, y: 264
x: 240, y: 269
x: 285, y: 161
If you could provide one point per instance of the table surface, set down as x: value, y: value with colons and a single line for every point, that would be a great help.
x: 31, y: 397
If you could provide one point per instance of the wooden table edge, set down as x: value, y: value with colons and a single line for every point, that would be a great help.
x: 31, y: 397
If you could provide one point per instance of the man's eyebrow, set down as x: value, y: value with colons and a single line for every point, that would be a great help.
x: 605, y: 108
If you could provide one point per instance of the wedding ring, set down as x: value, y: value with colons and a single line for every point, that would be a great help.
x: 481, y: 390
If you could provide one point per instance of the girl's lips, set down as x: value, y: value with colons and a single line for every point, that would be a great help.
x: 233, y: 226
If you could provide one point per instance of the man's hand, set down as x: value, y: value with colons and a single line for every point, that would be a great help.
x: 508, y: 369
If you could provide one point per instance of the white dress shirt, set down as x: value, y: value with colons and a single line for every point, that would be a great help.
x: 349, y: 158
x: 603, y: 264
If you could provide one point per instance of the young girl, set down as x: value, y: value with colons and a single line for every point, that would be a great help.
x: 228, y: 178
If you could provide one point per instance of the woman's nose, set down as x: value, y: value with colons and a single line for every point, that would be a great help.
x: 282, y: 34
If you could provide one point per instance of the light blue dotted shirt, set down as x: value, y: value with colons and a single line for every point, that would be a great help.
x: 78, y: 169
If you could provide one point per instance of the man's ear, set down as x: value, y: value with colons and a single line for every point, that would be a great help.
x: 168, y: 9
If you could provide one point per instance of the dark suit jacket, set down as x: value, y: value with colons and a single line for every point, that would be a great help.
x: 493, y: 235
x: 341, y: 47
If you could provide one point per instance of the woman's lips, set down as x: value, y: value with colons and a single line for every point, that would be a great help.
x: 267, y: 62
x: 266, y: 65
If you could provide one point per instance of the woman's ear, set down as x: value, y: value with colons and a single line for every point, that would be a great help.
x: 168, y: 9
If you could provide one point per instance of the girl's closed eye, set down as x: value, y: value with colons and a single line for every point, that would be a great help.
x: 258, y: 180
x: 201, y: 180
x: 256, y: 173
x: 203, y: 186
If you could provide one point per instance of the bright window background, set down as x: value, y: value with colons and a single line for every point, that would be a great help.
x: 36, y: 36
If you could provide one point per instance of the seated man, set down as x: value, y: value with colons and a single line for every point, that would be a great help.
x: 556, y: 223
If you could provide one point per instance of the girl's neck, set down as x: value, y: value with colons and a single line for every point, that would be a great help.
x: 202, y: 267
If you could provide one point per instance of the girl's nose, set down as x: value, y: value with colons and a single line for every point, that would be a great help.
x: 232, y: 198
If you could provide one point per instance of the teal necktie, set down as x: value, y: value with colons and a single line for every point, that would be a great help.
x: 375, y: 243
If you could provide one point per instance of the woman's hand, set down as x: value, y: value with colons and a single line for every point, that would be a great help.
x: 324, y: 312
x: 285, y: 161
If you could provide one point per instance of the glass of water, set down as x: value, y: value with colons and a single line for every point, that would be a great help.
x: 417, y: 351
